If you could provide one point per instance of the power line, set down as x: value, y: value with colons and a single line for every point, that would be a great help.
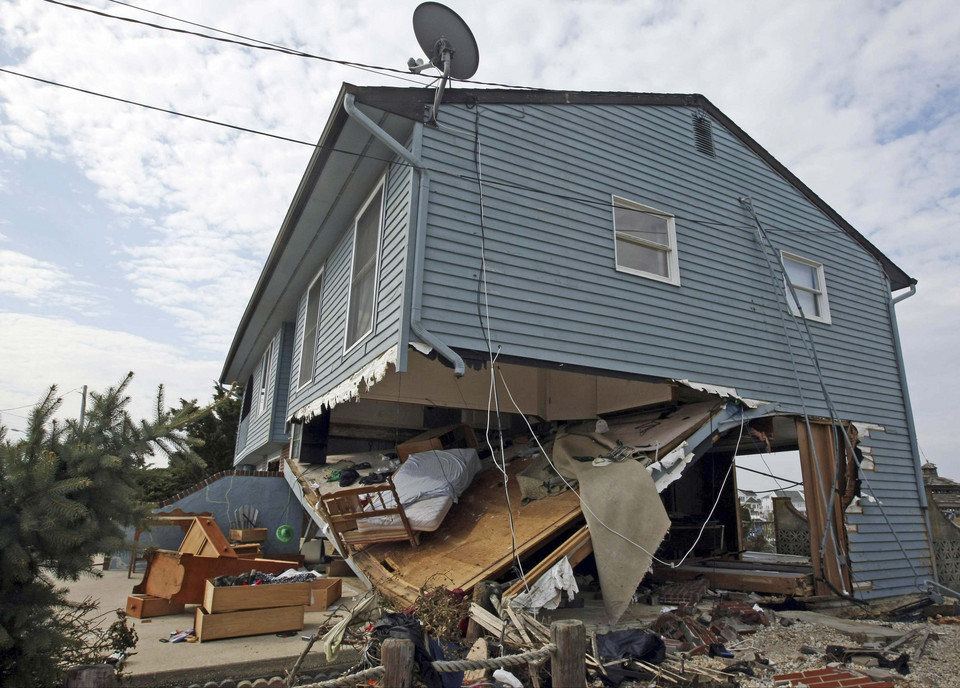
x: 492, y: 181
x: 245, y: 43
x: 159, y: 109
x: 257, y: 44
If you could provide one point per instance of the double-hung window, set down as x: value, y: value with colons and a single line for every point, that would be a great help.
x: 806, y: 278
x: 311, y: 326
x: 265, y: 377
x: 645, y: 241
x: 363, y: 276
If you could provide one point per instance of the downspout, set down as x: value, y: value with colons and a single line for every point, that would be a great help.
x: 420, y: 238
x: 911, y: 426
x: 904, y: 297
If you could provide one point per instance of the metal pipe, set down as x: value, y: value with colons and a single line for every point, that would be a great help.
x: 420, y: 238
x: 911, y: 426
x: 904, y: 297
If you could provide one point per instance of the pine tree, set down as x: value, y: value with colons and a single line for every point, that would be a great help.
x: 67, y: 492
x: 213, y: 434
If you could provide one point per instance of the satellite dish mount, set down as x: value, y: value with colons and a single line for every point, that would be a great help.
x: 447, y: 40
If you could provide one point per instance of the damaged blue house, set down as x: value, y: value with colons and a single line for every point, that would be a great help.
x: 553, y: 257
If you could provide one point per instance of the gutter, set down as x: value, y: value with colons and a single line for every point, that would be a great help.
x: 420, y: 238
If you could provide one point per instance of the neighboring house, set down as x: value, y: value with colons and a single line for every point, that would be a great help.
x: 795, y: 497
x: 945, y: 492
x: 602, y: 248
x: 754, y: 505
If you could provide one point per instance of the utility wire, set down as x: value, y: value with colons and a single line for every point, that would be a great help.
x: 160, y: 109
x: 769, y: 475
x: 584, y: 200
x: 257, y: 44
x: 245, y: 43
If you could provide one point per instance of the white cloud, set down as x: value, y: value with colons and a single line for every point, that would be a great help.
x: 39, y: 281
x: 39, y: 351
x: 858, y: 98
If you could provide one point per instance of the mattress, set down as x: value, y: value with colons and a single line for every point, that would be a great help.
x: 428, y: 484
x: 424, y: 516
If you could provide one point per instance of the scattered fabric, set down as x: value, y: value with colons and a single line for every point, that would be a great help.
x: 547, y: 591
x: 348, y: 477
x: 258, y: 578
x: 374, y: 478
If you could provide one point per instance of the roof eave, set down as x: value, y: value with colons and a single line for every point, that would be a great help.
x: 321, y: 153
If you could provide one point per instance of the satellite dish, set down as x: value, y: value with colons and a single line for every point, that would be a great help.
x: 448, y: 43
x: 440, y: 30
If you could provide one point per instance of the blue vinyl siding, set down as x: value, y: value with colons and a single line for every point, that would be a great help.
x: 281, y: 392
x: 259, y: 431
x: 332, y: 366
x: 555, y: 295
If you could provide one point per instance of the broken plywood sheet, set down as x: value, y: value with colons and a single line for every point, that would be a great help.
x: 475, y: 541
x: 624, y: 512
x: 652, y: 432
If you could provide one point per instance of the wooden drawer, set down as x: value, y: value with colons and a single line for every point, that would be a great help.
x: 249, y: 622
x: 239, y: 597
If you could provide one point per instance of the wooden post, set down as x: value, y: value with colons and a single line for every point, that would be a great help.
x: 397, y: 657
x: 481, y: 595
x: 568, y: 666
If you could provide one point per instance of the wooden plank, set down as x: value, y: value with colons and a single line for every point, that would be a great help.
x: 205, y: 539
x: 474, y: 543
x: 479, y: 650
x: 238, y: 597
x: 248, y: 534
x: 575, y: 548
x: 768, y: 582
x: 249, y: 622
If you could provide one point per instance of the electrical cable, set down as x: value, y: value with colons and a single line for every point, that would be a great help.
x: 509, y: 185
x: 165, y: 110
x: 245, y: 43
x: 493, y: 398
x: 586, y: 506
x: 257, y: 44
x: 769, y: 475
x: 763, y: 458
x: 780, y: 299
x: 788, y: 285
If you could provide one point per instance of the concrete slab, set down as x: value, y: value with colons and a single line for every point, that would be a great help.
x: 857, y: 631
x: 156, y: 663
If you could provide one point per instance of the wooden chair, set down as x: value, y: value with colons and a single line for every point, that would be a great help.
x: 344, y: 508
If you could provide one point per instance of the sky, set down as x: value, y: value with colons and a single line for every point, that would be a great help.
x: 131, y: 239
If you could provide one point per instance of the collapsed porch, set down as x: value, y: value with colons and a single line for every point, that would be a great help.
x: 686, y: 436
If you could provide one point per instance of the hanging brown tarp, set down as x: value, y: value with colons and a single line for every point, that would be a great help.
x: 624, y: 512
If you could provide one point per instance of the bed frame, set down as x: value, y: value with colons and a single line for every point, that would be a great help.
x: 343, y: 508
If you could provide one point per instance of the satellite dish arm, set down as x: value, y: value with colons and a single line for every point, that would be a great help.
x: 446, y: 53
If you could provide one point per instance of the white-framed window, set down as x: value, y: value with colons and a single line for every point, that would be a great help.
x: 265, y: 377
x: 806, y: 276
x: 645, y: 241
x: 361, y: 303
x: 311, y: 330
